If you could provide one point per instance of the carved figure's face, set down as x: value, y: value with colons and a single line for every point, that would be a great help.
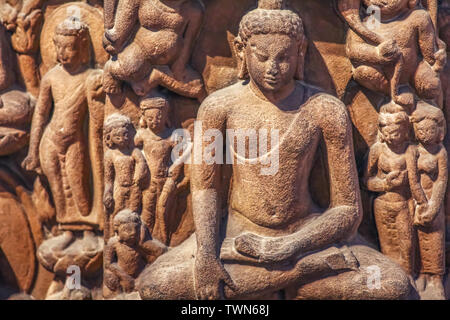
x: 388, y: 7
x: 394, y: 130
x: 120, y: 137
x: 271, y: 60
x: 67, y: 49
x: 155, y: 118
x: 128, y: 233
x: 427, y: 131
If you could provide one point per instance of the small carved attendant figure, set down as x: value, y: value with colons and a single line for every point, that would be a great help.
x: 410, y: 53
x: 392, y: 172
x: 126, y: 255
x: 156, y: 138
x: 125, y: 169
x: 165, y: 37
x: 429, y: 128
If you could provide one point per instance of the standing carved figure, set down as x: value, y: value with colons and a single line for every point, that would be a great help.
x: 164, y: 36
x: 392, y: 172
x: 125, y: 169
x: 58, y: 149
x: 156, y: 139
x: 429, y: 127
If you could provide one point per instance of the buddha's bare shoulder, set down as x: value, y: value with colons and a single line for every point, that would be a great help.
x: 330, y: 113
x: 221, y: 102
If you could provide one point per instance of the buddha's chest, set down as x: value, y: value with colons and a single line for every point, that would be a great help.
x: 290, y: 133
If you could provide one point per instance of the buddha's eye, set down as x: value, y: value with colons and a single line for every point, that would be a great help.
x: 261, y: 57
x: 283, y: 58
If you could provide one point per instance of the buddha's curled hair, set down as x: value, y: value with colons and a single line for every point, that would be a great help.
x: 271, y: 18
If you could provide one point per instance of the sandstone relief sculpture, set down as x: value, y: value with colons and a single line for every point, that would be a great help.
x: 224, y: 149
x: 265, y: 229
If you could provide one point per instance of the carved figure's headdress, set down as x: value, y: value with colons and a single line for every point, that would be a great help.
x: 154, y: 101
x: 72, y: 26
x: 126, y: 216
x: 426, y: 111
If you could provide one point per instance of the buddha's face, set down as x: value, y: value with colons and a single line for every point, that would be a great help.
x: 394, y: 130
x: 427, y: 131
x: 388, y: 7
x: 271, y: 60
x: 128, y: 233
x: 67, y: 49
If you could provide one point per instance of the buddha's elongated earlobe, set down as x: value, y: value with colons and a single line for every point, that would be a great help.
x: 299, y: 75
x: 240, y: 48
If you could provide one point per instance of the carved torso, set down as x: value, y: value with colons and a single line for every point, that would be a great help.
x: 157, y: 152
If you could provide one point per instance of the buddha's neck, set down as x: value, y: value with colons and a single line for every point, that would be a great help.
x: 273, y: 96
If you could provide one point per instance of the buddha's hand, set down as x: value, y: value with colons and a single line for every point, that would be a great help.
x: 31, y: 163
x: 388, y: 51
x: 210, y: 275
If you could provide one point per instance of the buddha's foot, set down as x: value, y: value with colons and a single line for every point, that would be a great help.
x: 228, y: 252
x: 265, y: 249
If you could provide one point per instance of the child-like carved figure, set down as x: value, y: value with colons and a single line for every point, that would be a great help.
x: 392, y: 172
x: 157, y: 140
x: 164, y: 37
x: 404, y: 49
x: 429, y: 127
x: 125, y: 169
x: 126, y: 254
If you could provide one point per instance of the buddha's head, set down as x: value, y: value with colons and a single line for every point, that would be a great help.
x: 271, y: 46
x: 72, y: 42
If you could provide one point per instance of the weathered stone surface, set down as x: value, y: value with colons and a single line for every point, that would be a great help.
x: 207, y: 149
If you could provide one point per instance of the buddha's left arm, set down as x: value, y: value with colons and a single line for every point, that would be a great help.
x: 344, y: 215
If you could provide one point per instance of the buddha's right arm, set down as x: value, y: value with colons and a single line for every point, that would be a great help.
x: 205, y: 182
x: 41, y: 115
